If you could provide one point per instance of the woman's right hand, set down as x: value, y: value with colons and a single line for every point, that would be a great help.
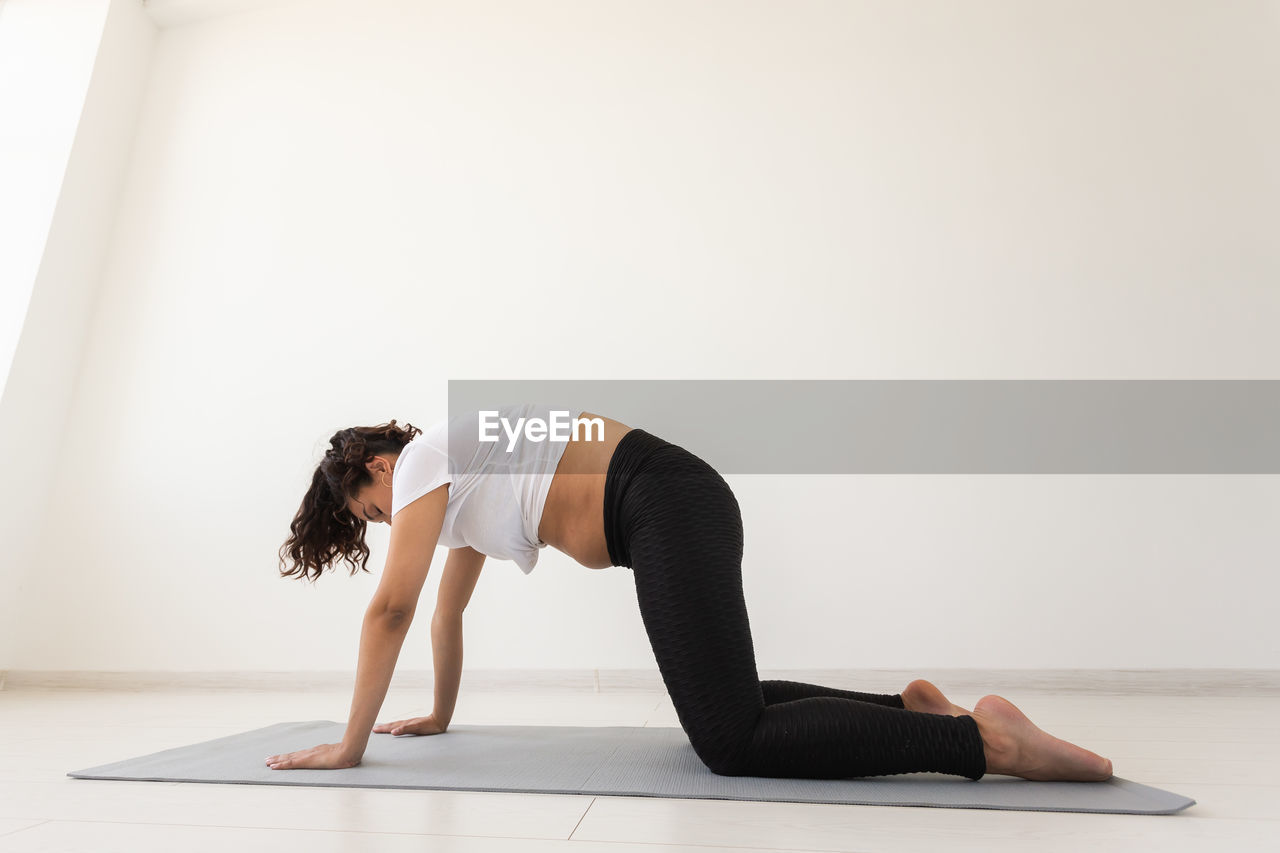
x: 413, y: 726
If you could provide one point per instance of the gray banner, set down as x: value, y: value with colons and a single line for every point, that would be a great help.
x: 817, y: 426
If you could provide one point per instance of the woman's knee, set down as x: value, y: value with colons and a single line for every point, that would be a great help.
x: 720, y: 758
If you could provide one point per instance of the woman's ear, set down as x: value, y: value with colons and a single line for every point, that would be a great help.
x: 378, y: 466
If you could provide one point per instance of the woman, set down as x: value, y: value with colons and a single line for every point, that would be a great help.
x: 620, y: 496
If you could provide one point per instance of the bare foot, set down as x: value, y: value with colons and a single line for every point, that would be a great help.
x: 923, y: 696
x: 1015, y: 746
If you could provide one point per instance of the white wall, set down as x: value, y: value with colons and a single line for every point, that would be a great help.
x: 57, y: 217
x: 334, y: 208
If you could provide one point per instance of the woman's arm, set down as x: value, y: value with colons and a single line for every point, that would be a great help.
x: 414, y: 534
x: 461, y: 571
x: 381, y: 639
x: 446, y: 644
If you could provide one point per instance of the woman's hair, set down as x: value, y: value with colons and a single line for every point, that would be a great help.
x: 325, y: 530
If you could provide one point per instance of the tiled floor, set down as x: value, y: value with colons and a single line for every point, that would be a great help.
x: 1217, y: 750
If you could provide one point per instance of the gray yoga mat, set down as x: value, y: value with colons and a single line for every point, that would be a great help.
x: 626, y: 761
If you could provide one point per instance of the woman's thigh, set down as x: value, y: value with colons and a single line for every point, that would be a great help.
x: 686, y: 544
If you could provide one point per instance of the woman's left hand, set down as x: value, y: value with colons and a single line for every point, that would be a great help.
x: 326, y: 756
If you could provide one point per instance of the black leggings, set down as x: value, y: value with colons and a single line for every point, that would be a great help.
x: 673, y: 520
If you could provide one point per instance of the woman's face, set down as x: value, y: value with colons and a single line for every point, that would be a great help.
x: 373, y: 502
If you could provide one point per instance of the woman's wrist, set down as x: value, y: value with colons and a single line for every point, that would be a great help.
x: 354, y: 749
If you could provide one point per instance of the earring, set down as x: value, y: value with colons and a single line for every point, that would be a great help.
x: 384, y: 482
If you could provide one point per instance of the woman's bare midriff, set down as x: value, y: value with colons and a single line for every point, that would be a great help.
x: 573, y: 515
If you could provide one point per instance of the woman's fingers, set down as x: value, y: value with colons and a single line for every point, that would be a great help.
x: 398, y: 727
x: 411, y: 726
x: 279, y: 762
x: 286, y: 760
x: 326, y: 756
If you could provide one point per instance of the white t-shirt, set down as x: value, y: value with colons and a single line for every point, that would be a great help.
x: 496, y: 494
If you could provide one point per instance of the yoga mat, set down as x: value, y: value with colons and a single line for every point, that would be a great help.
x: 629, y: 761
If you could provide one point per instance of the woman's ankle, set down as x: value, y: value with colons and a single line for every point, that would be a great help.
x: 999, y: 746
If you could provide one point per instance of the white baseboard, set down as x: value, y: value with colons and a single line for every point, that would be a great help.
x: 1183, y: 682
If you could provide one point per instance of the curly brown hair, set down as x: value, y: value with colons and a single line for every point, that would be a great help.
x: 325, y: 531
